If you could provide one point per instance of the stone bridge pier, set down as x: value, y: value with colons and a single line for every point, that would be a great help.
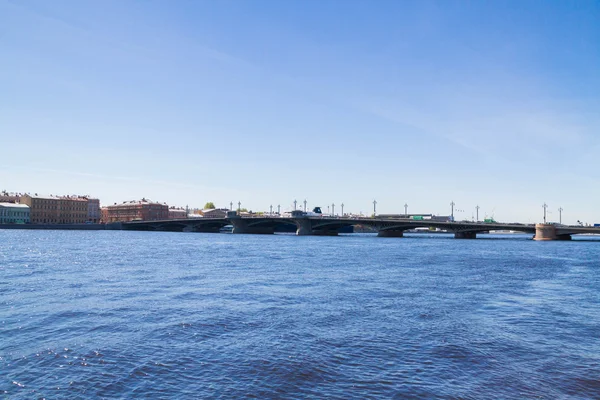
x: 306, y: 227
x: 545, y: 232
x: 245, y: 225
x: 465, y: 235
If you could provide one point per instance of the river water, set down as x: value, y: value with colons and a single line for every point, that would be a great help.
x: 112, y: 314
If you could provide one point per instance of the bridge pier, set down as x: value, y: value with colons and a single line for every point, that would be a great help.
x: 545, y: 232
x: 390, y: 233
x: 465, y: 235
x: 305, y: 229
x: 243, y: 226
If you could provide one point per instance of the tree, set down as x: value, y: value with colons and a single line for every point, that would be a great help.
x: 209, y: 206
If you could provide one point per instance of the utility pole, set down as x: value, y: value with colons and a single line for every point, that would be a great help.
x: 304, y: 205
x: 452, y: 204
x: 332, y: 209
x: 544, y: 207
x: 405, y: 210
x: 374, y: 207
x: 560, y: 210
x: 477, y: 208
x: 295, y: 202
x: 342, y: 210
x: 271, y: 210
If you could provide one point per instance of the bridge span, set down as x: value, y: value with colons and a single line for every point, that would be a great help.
x: 330, y: 226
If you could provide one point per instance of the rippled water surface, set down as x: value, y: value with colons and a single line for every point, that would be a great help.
x: 113, y: 314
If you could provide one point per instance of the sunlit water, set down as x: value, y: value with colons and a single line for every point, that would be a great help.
x: 112, y: 314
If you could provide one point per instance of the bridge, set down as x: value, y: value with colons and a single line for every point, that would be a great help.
x: 331, y: 226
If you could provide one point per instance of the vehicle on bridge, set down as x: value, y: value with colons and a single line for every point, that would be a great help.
x: 316, y: 212
x: 420, y: 217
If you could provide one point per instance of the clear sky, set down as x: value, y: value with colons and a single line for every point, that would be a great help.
x: 493, y: 103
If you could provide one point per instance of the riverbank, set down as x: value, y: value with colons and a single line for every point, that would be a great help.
x: 65, y: 227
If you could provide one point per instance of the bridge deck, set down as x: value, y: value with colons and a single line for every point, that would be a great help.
x: 382, y: 224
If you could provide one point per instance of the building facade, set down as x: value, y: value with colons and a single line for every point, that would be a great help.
x: 177, y: 213
x: 215, y: 213
x: 12, y: 213
x: 93, y: 211
x: 143, y: 210
x: 56, y: 210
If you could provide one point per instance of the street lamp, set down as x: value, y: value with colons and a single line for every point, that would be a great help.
x: 342, y: 209
x: 374, y: 207
x: 332, y: 209
x: 452, y: 204
x: 295, y: 202
x: 544, y: 207
x: 239, y: 206
x: 477, y: 208
x: 405, y: 210
x: 560, y: 210
x: 304, y: 205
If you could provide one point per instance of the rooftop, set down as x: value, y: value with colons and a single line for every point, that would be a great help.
x: 14, y: 205
x: 64, y: 197
x: 134, y: 202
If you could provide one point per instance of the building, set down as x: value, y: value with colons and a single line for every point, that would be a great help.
x: 6, y: 197
x: 56, y: 209
x: 13, y: 213
x: 177, y: 213
x: 93, y: 211
x: 142, y: 210
x: 104, y: 215
x: 215, y: 213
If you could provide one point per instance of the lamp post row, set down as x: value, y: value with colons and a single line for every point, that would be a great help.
x: 452, y: 204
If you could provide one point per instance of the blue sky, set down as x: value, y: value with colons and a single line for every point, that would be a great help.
x: 264, y: 102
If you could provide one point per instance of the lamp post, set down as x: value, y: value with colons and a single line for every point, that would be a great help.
x: 374, y: 207
x: 477, y: 211
x: 231, y: 206
x: 452, y: 204
x: 271, y: 210
x: 304, y: 205
x: 544, y: 207
x: 295, y: 202
x: 342, y: 210
x: 332, y: 209
x: 405, y: 210
x: 278, y: 209
x: 560, y: 210
x: 239, y: 206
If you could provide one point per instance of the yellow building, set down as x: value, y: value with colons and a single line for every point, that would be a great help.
x: 56, y: 210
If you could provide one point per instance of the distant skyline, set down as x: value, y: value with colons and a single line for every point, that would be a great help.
x: 421, y: 102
